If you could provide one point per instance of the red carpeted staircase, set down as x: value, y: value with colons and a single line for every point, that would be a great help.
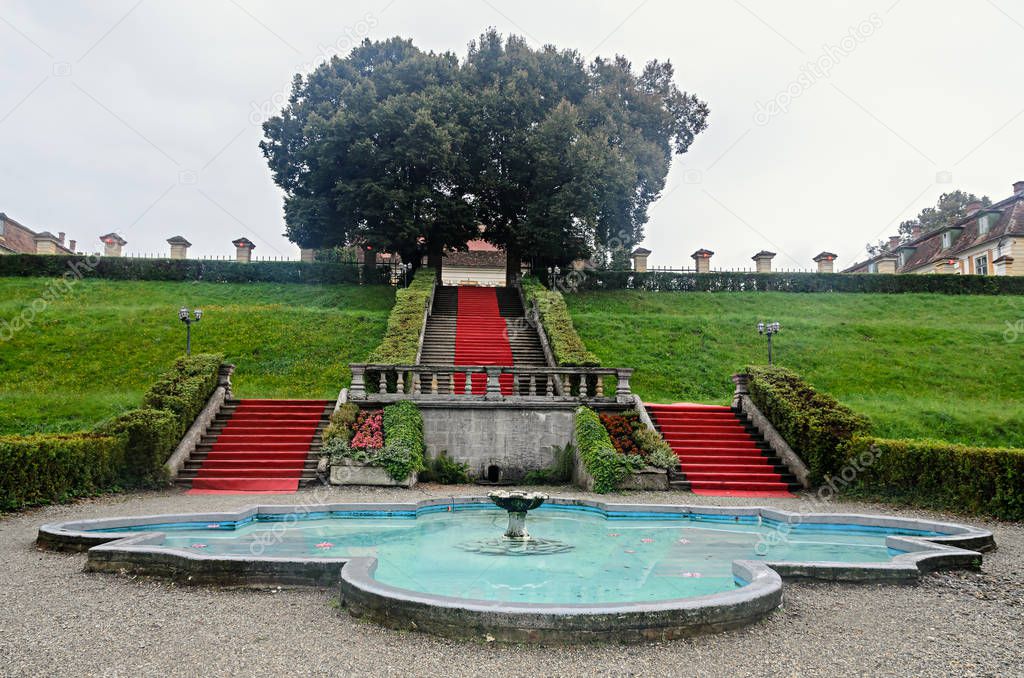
x: 720, y: 453
x: 258, y: 446
x: 481, y: 337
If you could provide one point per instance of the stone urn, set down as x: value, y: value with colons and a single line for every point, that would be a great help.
x: 517, y: 503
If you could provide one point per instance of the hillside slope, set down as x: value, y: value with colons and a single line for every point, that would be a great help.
x: 920, y: 365
x: 93, y: 352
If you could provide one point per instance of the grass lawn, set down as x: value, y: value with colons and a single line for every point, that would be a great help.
x: 919, y: 365
x: 95, y: 351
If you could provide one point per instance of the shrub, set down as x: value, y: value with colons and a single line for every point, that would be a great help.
x: 566, y: 344
x: 129, y: 268
x: 185, y: 389
x: 401, y: 339
x: 938, y: 474
x: 665, y: 281
x: 399, y: 459
x: 445, y: 470
x: 403, y: 421
x: 560, y: 472
x: 814, y: 424
x: 342, y: 420
x: 620, y: 429
x: 151, y: 436
x: 607, y: 467
x: 653, y: 447
x: 40, y: 469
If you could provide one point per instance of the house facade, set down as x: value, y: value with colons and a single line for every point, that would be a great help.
x: 16, y: 238
x: 984, y: 242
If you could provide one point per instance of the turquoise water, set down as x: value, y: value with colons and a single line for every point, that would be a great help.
x: 618, y: 559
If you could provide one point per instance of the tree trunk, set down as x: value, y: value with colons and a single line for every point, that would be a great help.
x: 513, y: 264
x: 369, y: 266
x: 434, y: 260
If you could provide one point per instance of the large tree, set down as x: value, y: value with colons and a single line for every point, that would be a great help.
x: 949, y: 208
x: 370, y: 152
x: 409, y: 151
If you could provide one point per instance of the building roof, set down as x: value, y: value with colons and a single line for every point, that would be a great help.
x: 46, y: 235
x: 640, y: 251
x: 702, y: 253
x: 243, y: 242
x: 112, y: 237
x: 927, y: 248
x: 178, y: 240
x: 826, y: 256
x: 763, y: 254
x: 475, y: 259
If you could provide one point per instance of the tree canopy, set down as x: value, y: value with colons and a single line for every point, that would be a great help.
x: 409, y: 151
x: 949, y: 208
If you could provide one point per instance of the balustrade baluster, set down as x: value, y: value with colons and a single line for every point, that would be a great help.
x: 468, y: 388
x: 532, y: 381
x: 382, y: 386
x: 549, y: 384
x: 600, y: 386
x: 583, y: 387
x: 433, y: 383
x: 416, y: 387
x: 400, y: 382
x: 515, y: 384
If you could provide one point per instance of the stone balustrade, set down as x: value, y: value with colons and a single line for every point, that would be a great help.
x: 382, y: 383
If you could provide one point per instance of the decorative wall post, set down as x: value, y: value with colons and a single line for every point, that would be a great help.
x: 742, y: 382
x: 243, y: 250
x: 946, y: 266
x: 224, y: 379
x: 763, y: 261
x: 1003, y: 265
x: 623, y: 391
x: 887, y: 263
x: 307, y: 255
x: 358, y: 388
x: 639, y: 256
x: 112, y: 244
x: 46, y: 243
x: 825, y: 262
x: 493, y: 383
x: 702, y: 260
x: 179, y: 247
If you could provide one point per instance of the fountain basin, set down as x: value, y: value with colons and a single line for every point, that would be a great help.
x: 629, y: 576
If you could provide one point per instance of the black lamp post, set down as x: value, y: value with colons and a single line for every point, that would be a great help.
x: 185, y: 317
x: 769, y: 329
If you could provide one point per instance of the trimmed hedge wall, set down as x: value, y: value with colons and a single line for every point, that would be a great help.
x: 401, y: 339
x: 566, y: 344
x: 814, y: 424
x: 129, y: 268
x: 127, y: 451
x: 664, y: 281
x: 607, y: 467
x: 40, y: 469
x: 938, y: 474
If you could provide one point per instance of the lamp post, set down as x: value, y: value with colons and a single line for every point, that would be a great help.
x: 185, y: 317
x: 769, y: 329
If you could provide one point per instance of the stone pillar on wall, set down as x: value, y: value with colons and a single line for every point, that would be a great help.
x: 887, y: 264
x: 639, y: 256
x: 946, y: 266
x: 702, y: 260
x: 825, y: 262
x: 243, y: 250
x: 307, y: 255
x: 1003, y: 265
x: 179, y: 247
x: 47, y: 243
x: 112, y: 244
x: 763, y: 261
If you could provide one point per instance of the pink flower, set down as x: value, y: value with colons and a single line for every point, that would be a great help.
x: 647, y: 540
x: 325, y: 545
x: 199, y: 546
x: 684, y: 541
x: 613, y: 534
x: 693, y: 575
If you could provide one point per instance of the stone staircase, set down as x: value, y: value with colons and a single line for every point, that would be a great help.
x: 259, y: 446
x: 442, y: 328
x: 721, y: 452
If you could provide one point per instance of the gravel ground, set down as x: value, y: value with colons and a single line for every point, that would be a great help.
x: 55, y: 619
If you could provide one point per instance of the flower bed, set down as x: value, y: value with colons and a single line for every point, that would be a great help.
x: 375, y: 447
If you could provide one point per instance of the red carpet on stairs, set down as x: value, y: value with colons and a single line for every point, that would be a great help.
x: 481, y: 338
x: 262, y: 449
x: 717, y: 455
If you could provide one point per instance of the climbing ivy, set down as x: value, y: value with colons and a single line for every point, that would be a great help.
x: 607, y: 467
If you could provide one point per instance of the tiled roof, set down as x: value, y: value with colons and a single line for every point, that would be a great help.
x: 927, y: 248
x: 478, y: 259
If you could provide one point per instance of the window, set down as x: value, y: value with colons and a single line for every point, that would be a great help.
x: 947, y: 239
x: 985, y: 222
x: 981, y: 265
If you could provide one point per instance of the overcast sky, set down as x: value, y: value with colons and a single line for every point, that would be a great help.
x: 830, y: 121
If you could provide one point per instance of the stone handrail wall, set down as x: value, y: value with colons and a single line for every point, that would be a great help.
x: 189, y: 441
x: 742, y: 402
x: 426, y: 317
x: 413, y: 382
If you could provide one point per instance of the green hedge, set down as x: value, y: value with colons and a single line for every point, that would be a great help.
x: 403, y: 440
x: 129, y: 450
x: 814, y: 424
x: 40, y: 469
x: 184, y: 390
x: 566, y: 344
x: 129, y: 268
x: 664, y: 281
x: 401, y: 339
x: 607, y: 467
x: 938, y: 474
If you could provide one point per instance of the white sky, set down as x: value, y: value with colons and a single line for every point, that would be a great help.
x: 137, y: 116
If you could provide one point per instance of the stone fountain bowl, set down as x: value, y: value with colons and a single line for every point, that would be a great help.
x: 517, y: 501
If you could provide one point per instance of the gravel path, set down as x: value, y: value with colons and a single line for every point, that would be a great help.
x: 55, y: 619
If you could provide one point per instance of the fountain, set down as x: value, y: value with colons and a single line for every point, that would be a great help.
x: 517, y: 503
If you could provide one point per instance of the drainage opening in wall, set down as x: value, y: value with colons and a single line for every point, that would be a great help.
x: 493, y: 473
